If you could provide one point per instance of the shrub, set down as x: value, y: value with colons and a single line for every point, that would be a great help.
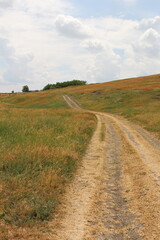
x: 64, y: 84
x: 25, y: 88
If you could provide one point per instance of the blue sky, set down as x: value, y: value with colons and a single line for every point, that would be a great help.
x: 48, y: 41
x: 117, y: 8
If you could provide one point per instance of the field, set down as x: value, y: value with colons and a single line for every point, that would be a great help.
x: 36, y: 100
x: 41, y: 147
x: 136, y: 99
x: 43, y: 141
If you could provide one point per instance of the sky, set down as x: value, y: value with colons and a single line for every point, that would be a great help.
x: 48, y: 41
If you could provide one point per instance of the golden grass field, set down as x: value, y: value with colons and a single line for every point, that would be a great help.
x: 42, y: 142
x: 40, y: 151
x: 137, y: 99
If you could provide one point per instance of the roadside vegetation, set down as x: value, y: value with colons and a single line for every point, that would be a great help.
x: 41, y: 147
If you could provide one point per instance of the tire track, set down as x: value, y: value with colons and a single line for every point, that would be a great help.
x: 120, y: 199
x: 76, y: 205
x: 118, y: 221
x: 145, y: 145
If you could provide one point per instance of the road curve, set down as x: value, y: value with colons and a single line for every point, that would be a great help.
x: 116, y: 192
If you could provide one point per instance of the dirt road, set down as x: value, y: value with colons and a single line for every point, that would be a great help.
x: 116, y: 192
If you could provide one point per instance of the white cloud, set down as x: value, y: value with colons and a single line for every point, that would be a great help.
x: 14, y: 68
x: 142, y: 57
x: 150, y: 23
x: 93, y: 46
x: 71, y: 27
x: 47, y: 8
x: 103, y: 63
x: 148, y: 44
x: 104, y: 67
x: 6, y: 3
x: 45, y: 43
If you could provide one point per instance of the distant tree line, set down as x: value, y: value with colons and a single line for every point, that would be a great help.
x: 64, y: 84
x: 56, y: 85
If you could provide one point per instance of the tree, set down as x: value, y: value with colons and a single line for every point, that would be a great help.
x: 49, y: 86
x: 64, y: 84
x: 25, y: 88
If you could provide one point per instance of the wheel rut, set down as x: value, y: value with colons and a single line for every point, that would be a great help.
x: 116, y: 193
x: 119, y: 222
x: 76, y: 205
x: 115, y: 220
x: 145, y: 145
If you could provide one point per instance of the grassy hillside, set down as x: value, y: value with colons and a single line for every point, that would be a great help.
x: 42, y: 143
x: 45, y: 99
x: 137, y: 99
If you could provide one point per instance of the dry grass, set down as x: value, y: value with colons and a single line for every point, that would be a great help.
x: 40, y: 151
x: 41, y: 147
x: 45, y: 99
x: 136, y: 99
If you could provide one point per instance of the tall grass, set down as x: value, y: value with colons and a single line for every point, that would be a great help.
x: 41, y: 147
x: 40, y: 150
x: 47, y: 99
x: 136, y: 99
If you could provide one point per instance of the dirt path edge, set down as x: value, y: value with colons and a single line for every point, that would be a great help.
x: 71, y: 220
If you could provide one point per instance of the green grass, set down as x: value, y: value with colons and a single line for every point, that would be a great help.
x: 42, y: 142
x: 40, y: 150
x: 46, y: 99
x: 128, y: 98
